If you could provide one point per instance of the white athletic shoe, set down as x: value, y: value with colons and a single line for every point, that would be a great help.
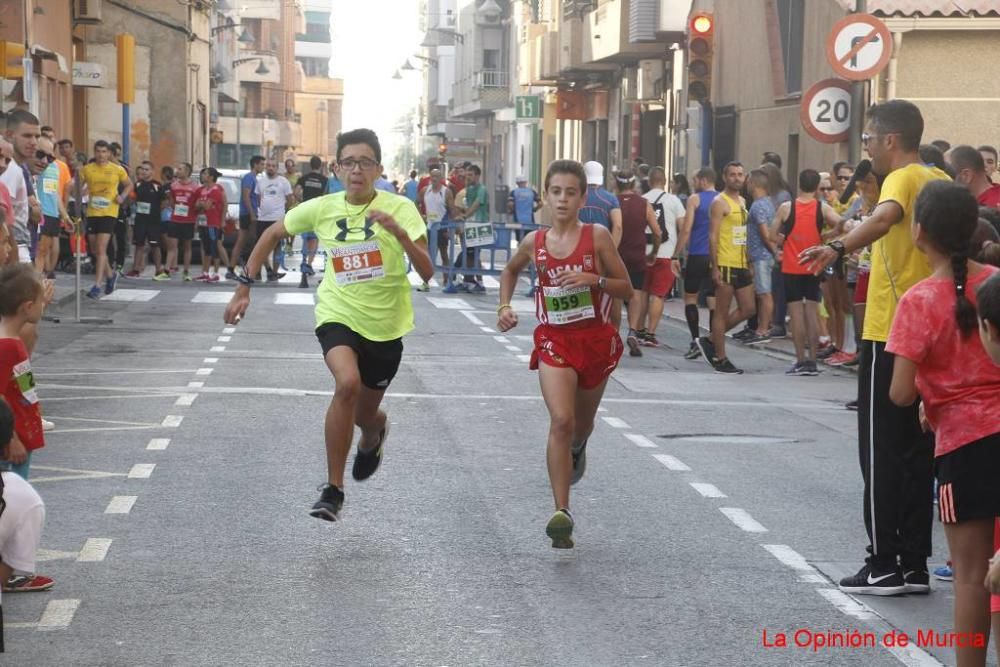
x: 47, y: 425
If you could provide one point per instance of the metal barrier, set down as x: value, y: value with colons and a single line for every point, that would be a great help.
x: 485, y: 240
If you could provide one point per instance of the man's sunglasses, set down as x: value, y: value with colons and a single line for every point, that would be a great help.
x: 42, y: 155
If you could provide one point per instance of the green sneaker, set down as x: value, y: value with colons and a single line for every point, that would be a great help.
x: 560, y: 530
x: 160, y: 277
x: 187, y: 277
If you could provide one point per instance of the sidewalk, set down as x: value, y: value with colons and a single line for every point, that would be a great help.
x: 781, y: 348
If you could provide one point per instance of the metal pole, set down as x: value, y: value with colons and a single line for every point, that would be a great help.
x: 857, y: 105
x: 239, y: 146
x: 126, y: 134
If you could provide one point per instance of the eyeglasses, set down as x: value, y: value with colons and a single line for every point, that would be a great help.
x: 42, y: 155
x: 844, y: 178
x: 366, y: 164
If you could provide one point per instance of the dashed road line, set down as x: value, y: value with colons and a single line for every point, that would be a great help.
x: 513, y: 348
x: 672, y: 462
x: 172, y: 421
x: 790, y: 557
x: 501, y: 339
x: 158, y: 444
x: 640, y: 440
x: 203, y: 371
x: 121, y: 504
x: 707, y: 490
x: 141, y: 471
x: 224, y: 339
x: 229, y: 330
x: 210, y: 360
x: 185, y: 399
x: 469, y: 315
x: 615, y: 422
x: 743, y: 520
x: 94, y: 550
x: 195, y: 385
x: 487, y: 330
x: 524, y: 357
x: 217, y: 348
x: 58, y: 614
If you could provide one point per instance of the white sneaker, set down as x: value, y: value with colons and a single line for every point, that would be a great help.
x: 47, y: 425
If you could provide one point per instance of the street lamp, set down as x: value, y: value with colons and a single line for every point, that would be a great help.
x: 261, y: 70
x: 245, y: 36
x: 429, y: 41
x: 408, y: 67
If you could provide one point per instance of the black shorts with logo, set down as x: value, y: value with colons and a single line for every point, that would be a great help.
x: 146, y: 230
x: 378, y: 361
x: 51, y: 226
x: 182, y: 231
x: 736, y: 277
x: 800, y: 287
x: 103, y: 224
x: 967, y: 485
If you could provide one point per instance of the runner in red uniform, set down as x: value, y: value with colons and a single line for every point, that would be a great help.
x: 576, y: 347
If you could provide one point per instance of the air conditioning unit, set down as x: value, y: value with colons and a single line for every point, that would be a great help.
x: 630, y: 81
x: 649, y: 80
x: 87, y: 11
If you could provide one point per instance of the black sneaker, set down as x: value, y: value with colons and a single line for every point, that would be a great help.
x: 367, y: 462
x: 777, y: 332
x: 725, y: 367
x: 331, y: 499
x: 633, y: 345
x: 917, y: 581
x: 693, y: 352
x: 827, y: 353
x: 872, y: 581
x: 707, y: 349
x: 852, y: 406
x: 579, y: 463
x: 809, y: 368
x: 744, y: 335
x: 796, y: 369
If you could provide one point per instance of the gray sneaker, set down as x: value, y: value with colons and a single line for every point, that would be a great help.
x: 579, y: 462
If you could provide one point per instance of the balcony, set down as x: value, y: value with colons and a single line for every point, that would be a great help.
x: 480, y: 94
x: 260, y: 9
x: 606, y: 36
x: 261, y: 131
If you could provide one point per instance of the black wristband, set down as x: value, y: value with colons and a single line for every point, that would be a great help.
x: 839, y: 247
x: 243, y: 279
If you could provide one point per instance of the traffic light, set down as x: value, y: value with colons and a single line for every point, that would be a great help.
x: 701, y: 36
x: 442, y: 148
x: 126, y: 68
x: 11, y: 60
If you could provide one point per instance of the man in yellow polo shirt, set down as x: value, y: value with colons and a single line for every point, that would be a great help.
x: 896, y: 455
x: 363, y: 306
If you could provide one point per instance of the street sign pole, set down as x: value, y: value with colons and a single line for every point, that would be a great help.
x: 857, y: 106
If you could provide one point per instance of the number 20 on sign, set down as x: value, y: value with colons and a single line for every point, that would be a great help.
x: 826, y: 111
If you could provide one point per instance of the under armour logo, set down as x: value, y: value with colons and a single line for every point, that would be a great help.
x: 345, y: 230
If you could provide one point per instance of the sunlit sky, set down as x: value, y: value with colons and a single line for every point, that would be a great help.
x: 372, y: 39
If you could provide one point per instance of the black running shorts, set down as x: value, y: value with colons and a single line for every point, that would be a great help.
x: 967, y: 485
x: 800, y: 287
x: 736, y: 277
x: 182, y: 231
x: 101, y: 225
x: 697, y: 273
x: 378, y: 361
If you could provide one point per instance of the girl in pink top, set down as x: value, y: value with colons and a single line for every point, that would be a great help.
x: 941, y: 360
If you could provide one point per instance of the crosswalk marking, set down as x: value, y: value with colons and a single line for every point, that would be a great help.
x: 449, y: 304
x: 130, y: 295
x: 212, y: 297
x: 415, y: 280
x: 294, y: 299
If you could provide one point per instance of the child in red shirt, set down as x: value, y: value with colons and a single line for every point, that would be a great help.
x: 210, y: 208
x: 939, y: 356
x: 22, y: 300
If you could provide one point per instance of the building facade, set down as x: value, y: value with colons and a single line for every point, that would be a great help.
x: 319, y: 100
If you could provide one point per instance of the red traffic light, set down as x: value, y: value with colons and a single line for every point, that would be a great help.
x: 442, y: 148
x: 702, y: 24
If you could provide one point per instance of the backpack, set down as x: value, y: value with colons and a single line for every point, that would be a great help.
x: 661, y: 220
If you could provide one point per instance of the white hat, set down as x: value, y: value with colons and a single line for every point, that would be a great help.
x: 594, y: 172
x: 520, y: 179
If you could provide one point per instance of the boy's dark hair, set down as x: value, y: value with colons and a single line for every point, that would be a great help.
x: 413, y: 173
x: 64, y: 142
x: 770, y: 157
x: 360, y: 136
x: 315, y: 163
x: 990, y: 215
x: 733, y: 165
x: 988, y: 298
x: 474, y: 168
x: 945, y: 146
x: 932, y: 155
x: 898, y: 117
x: 6, y: 425
x: 706, y: 174
x: 167, y: 172
x: 948, y: 214
x: 101, y: 143
x: 967, y: 157
x: 988, y: 149
x: 257, y: 159
x: 18, y: 117
x: 18, y: 283
x: 571, y: 167
x: 809, y: 180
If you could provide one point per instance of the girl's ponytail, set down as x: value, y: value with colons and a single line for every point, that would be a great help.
x: 965, y: 312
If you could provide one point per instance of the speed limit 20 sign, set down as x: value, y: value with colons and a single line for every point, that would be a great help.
x: 826, y: 111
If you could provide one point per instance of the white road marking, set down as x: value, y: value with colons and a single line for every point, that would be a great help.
x: 640, y: 440
x: 195, y: 385
x: 158, y: 443
x: 185, y: 399
x: 488, y: 330
x: 449, y: 304
x: 743, y: 520
x: 94, y: 550
x: 294, y: 299
x: 58, y: 614
x: 224, y: 339
x: 131, y: 295
x: 203, y: 371
x: 141, y: 471
x: 602, y: 409
x: 46, y: 555
x: 172, y: 421
x: 707, y: 490
x: 121, y: 504
x: 417, y: 281
x: 813, y: 579
x: 469, y: 315
x: 501, y: 339
x: 63, y: 418
x: 490, y: 282
x: 229, y: 330
x: 145, y: 372
x: 513, y: 348
x: 790, y: 557
x: 615, y: 422
x: 73, y: 474
x: 524, y: 357
x: 212, y: 297
x: 217, y: 348
x: 210, y: 360
x: 845, y: 604
x: 671, y: 462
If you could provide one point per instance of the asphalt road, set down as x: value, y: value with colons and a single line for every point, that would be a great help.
x: 187, y: 454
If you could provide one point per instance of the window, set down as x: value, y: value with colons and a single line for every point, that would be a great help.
x: 491, y: 59
x: 791, y: 15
